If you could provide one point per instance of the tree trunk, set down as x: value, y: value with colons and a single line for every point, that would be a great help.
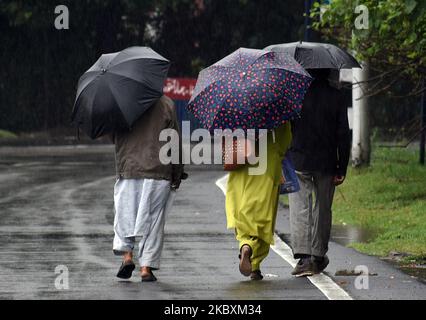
x: 361, y: 127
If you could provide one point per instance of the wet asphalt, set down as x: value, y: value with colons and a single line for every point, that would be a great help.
x: 56, y: 209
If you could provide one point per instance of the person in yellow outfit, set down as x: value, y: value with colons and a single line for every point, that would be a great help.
x: 252, y: 203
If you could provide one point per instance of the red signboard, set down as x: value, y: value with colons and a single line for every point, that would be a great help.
x: 179, y: 88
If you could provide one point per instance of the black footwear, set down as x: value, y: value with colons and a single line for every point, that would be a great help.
x: 304, y: 268
x: 126, y: 269
x: 320, y: 264
x: 245, y: 263
x: 149, y: 277
x: 256, y: 275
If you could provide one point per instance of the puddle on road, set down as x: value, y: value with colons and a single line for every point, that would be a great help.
x: 345, y: 235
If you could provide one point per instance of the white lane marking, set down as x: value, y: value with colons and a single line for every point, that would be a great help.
x: 324, y: 283
x: 222, y: 182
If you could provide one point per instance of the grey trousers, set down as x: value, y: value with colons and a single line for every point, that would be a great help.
x: 141, y: 206
x: 310, y: 214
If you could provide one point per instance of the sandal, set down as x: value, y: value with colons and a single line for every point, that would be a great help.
x: 245, y: 263
x: 256, y: 275
x: 149, y: 277
x: 126, y: 269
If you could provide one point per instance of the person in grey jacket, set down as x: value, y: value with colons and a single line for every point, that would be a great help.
x: 142, y: 189
x: 320, y: 154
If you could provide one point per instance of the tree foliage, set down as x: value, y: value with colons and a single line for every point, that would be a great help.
x: 394, y: 44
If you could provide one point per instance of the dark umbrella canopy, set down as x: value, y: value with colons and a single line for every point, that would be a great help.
x: 249, y: 89
x: 118, y: 89
x: 312, y: 55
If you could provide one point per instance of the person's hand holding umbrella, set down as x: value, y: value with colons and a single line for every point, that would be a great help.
x: 338, y: 180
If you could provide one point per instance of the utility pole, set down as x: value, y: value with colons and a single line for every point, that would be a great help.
x: 422, y: 126
x: 361, y: 126
x: 361, y: 148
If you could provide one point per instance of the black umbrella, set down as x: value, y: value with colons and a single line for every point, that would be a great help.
x: 312, y: 55
x: 118, y: 89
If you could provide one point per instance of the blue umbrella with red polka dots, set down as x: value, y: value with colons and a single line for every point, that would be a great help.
x: 249, y: 89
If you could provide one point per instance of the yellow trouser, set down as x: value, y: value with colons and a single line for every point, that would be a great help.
x: 259, y: 249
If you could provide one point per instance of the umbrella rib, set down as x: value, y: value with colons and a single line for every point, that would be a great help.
x: 273, y: 68
x: 221, y: 66
x: 333, y: 59
x: 90, y: 82
x: 91, y: 109
x: 221, y: 77
x: 269, y: 85
x: 282, y: 69
x: 115, y: 99
x: 135, y: 59
x: 131, y: 78
x: 255, y: 60
x: 78, y: 97
x: 228, y: 95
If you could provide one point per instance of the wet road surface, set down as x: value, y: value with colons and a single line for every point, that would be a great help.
x: 56, y: 209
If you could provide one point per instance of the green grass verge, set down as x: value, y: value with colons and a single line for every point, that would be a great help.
x: 388, y: 197
x: 7, y: 134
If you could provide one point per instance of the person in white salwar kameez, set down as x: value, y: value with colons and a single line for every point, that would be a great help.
x: 144, y: 190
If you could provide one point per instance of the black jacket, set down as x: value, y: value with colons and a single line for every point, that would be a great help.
x: 321, y: 137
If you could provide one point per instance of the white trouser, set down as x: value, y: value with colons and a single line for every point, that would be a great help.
x: 140, y: 209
